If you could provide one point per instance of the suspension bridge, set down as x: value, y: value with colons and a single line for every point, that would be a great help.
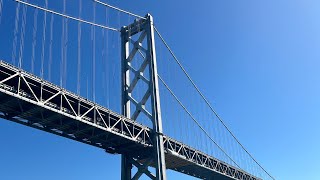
x: 97, y: 76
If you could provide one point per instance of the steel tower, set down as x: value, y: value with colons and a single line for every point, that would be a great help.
x: 143, y: 29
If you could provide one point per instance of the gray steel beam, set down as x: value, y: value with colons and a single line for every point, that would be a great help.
x: 147, y: 32
x: 155, y: 100
x: 126, y: 165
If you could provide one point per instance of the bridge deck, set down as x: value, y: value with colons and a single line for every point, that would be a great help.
x: 34, y: 102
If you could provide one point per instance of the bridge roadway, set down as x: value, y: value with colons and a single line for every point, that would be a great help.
x: 34, y: 102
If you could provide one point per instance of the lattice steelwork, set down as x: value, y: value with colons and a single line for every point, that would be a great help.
x: 34, y: 102
x: 144, y: 29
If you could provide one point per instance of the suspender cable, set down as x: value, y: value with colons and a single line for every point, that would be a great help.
x: 193, y: 118
x: 1, y: 5
x: 34, y: 39
x: 62, y: 47
x: 119, y: 49
x: 67, y: 16
x: 104, y: 62
x: 43, y: 40
x: 93, y: 36
x: 79, y: 49
x: 118, y: 9
x: 65, y: 61
x: 15, y: 35
x: 22, y: 34
x: 50, y: 47
x: 87, y: 88
x: 206, y: 101
x: 106, y: 67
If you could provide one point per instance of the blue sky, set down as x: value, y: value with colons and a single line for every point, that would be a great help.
x: 256, y: 61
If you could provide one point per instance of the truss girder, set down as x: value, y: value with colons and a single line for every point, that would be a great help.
x: 36, y: 103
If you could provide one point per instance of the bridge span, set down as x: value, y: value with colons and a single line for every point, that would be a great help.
x: 29, y: 100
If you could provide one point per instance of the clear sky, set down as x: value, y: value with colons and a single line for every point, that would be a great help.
x: 256, y: 61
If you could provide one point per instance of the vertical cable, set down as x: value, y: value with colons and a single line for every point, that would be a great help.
x: 34, y: 38
x: 202, y: 116
x: 103, y: 65
x: 79, y: 49
x: 15, y: 35
x: 22, y: 34
x: 1, y: 5
x: 207, y: 127
x: 87, y: 88
x: 213, y: 151
x: 211, y: 144
x: 43, y: 40
x: 62, y: 46
x: 65, y: 51
x: 189, y: 132
x: 93, y: 37
x: 119, y: 51
x: 201, y: 140
x: 50, y: 47
x: 112, y: 62
x: 106, y: 67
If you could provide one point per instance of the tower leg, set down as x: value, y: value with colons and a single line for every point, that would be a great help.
x: 143, y: 29
x: 126, y: 167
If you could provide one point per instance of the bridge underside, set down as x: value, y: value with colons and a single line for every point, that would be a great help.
x: 31, y: 101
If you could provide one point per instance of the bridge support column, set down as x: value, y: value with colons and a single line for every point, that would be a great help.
x: 126, y: 168
x: 138, y: 40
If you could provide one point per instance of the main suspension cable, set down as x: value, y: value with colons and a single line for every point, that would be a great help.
x: 193, y: 118
x: 67, y: 16
x: 118, y: 9
x: 167, y: 46
x: 205, y: 99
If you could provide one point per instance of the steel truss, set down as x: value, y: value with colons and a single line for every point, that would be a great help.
x: 131, y: 48
x: 175, y: 152
x: 32, y: 101
x: 35, y: 102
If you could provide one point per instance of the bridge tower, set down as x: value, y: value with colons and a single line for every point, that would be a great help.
x: 143, y: 29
